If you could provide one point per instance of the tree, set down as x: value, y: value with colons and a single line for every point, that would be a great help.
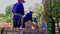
x: 54, y: 12
x: 9, y: 13
x: 40, y: 12
x: 9, y: 10
x: 8, y: 16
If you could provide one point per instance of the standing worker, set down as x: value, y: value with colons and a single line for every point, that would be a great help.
x: 18, y: 12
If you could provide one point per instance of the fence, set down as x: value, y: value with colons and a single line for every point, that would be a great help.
x: 7, y: 28
x: 19, y: 31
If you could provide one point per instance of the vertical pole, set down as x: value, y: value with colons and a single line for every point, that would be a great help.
x: 46, y: 14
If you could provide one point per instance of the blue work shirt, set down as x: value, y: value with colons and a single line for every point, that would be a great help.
x: 28, y: 17
x: 18, y: 8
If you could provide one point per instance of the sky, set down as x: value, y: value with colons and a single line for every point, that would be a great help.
x: 27, y: 4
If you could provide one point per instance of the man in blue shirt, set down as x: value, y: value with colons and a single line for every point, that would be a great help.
x: 18, y: 12
x: 27, y: 17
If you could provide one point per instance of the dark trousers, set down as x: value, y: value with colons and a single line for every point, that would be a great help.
x: 24, y: 20
x: 23, y: 26
x: 16, y: 22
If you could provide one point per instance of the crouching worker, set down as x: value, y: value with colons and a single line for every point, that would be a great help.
x: 18, y: 12
x: 27, y: 17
